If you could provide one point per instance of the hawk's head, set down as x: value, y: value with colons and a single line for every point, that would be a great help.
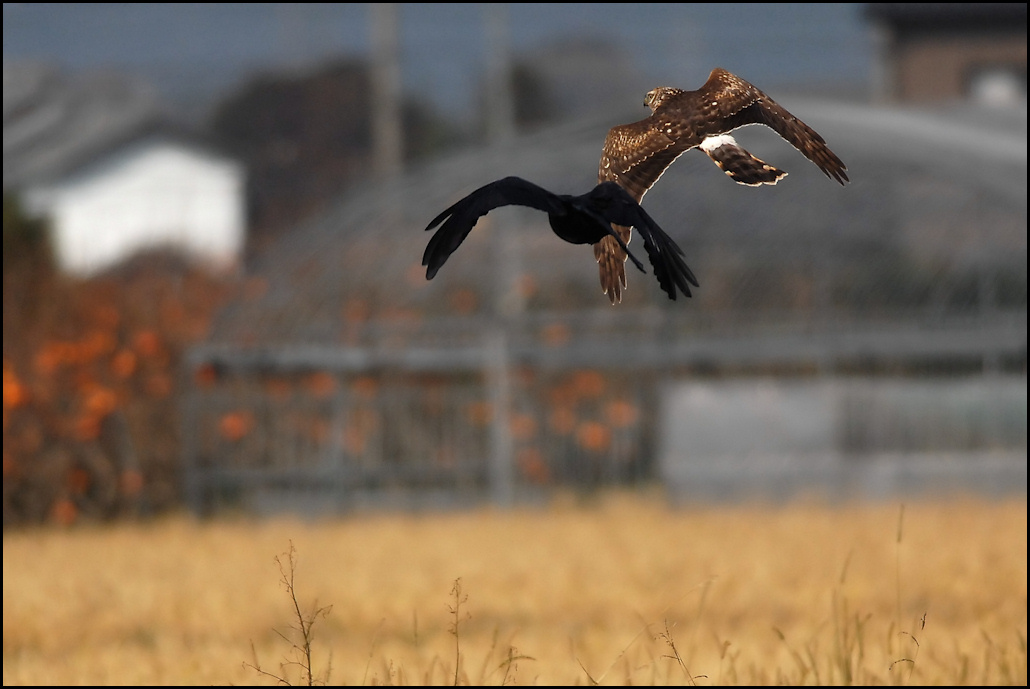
x: 655, y: 97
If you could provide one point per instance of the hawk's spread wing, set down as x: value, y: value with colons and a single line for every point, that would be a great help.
x: 705, y: 117
x: 635, y: 155
x: 800, y: 136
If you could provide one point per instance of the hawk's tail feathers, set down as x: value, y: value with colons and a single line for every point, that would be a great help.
x: 738, y: 164
x: 611, y: 263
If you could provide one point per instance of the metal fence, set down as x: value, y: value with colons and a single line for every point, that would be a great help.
x: 344, y: 378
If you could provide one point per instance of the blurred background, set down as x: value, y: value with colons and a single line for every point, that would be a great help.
x: 213, y: 230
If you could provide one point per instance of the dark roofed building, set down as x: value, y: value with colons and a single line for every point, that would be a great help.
x: 933, y: 52
x: 95, y: 154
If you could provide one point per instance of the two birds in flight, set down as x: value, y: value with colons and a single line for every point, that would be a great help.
x: 633, y: 158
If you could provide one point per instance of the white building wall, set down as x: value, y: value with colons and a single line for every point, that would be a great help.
x: 155, y: 193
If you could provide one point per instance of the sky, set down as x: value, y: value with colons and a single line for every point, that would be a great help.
x: 191, y: 51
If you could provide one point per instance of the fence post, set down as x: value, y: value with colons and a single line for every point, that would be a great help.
x: 501, y: 466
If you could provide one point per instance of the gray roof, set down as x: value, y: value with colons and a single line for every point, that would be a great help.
x: 55, y: 122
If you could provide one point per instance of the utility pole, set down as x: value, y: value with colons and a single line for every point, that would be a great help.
x: 507, y: 302
x: 500, y: 110
x: 387, y: 138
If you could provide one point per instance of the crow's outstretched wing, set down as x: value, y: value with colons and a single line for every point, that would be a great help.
x: 458, y: 220
x: 666, y: 257
x: 618, y: 207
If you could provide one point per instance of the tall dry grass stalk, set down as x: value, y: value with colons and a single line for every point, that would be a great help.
x: 622, y: 590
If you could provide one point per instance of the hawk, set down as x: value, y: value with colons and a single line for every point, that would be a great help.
x: 635, y: 155
x: 584, y: 219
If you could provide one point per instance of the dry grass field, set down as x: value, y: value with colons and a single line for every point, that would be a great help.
x: 621, y: 589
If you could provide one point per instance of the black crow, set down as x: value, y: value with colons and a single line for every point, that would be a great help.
x: 584, y: 219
